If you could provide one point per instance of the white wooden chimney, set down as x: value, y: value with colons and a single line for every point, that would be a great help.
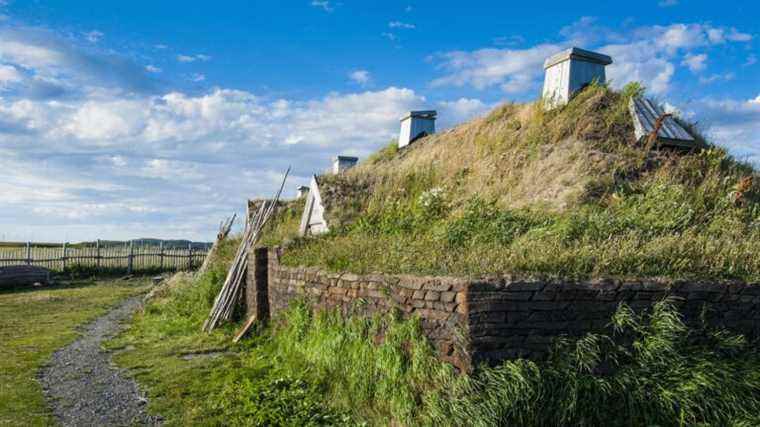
x: 570, y: 71
x: 414, y: 125
x: 342, y: 163
x: 302, y: 191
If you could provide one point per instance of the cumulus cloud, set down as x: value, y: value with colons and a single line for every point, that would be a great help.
x: 361, y: 77
x: 732, y: 124
x: 695, y: 63
x: 190, y: 151
x: 152, y: 69
x: 9, y: 74
x: 515, y: 70
x: 460, y: 110
x: 647, y: 54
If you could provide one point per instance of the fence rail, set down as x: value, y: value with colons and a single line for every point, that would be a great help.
x: 111, y: 256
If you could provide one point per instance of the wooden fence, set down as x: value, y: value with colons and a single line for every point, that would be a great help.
x: 126, y: 256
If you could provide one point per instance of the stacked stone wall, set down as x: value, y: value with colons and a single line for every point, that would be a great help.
x: 489, y: 320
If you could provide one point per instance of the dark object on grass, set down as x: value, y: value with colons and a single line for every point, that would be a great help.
x: 23, y: 275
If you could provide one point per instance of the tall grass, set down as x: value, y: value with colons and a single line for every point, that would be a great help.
x: 322, y: 367
x: 651, y: 370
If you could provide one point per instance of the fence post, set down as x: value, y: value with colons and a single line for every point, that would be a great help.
x: 28, y: 253
x: 161, y: 254
x: 130, y: 257
x: 189, y: 256
x: 63, y: 257
x: 97, y: 254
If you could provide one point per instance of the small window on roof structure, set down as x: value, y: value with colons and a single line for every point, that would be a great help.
x: 647, y: 117
x: 313, y: 219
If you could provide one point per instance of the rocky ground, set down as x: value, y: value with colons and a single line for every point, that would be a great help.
x: 83, y: 387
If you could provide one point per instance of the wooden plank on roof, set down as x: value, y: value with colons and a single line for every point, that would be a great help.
x: 644, y: 113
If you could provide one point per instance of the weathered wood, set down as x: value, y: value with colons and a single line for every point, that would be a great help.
x: 229, y: 296
x: 649, y: 119
x: 131, y: 257
x: 241, y: 333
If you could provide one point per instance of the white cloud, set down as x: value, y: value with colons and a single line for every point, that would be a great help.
x: 461, y: 110
x: 667, y: 3
x: 695, y: 63
x: 152, y: 69
x: 198, y: 77
x: 733, y: 124
x: 99, y: 153
x: 59, y: 67
x: 402, y: 25
x: 361, y: 77
x: 93, y: 36
x: 390, y: 36
x: 160, y: 46
x: 716, y: 78
x: 323, y: 4
x: 193, y: 58
x: 9, y: 74
x: 645, y: 54
x: 515, y: 70
x: 751, y: 60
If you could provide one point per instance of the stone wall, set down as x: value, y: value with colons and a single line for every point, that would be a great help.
x: 437, y: 301
x: 512, y: 318
x: 488, y: 320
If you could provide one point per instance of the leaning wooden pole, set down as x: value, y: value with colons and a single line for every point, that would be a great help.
x: 224, y: 230
x: 224, y: 304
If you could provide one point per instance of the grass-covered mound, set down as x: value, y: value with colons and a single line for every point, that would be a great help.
x: 319, y: 368
x: 567, y: 192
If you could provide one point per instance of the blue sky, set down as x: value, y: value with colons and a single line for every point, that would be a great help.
x: 130, y: 119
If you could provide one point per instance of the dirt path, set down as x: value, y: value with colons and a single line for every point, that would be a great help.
x: 83, y: 387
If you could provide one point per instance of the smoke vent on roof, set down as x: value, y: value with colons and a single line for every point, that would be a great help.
x: 342, y: 163
x: 302, y: 191
x: 415, y: 125
x: 570, y: 71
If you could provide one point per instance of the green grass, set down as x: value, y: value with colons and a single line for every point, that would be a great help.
x: 564, y: 193
x: 322, y: 368
x: 34, y: 323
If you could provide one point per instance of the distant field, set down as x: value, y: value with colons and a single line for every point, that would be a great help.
x: 104, y: 257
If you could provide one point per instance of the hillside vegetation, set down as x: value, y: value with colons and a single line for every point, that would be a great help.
x: 524, y: 191
x: 317, y: 367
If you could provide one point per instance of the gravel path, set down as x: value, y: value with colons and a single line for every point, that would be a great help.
x: 82, y: 386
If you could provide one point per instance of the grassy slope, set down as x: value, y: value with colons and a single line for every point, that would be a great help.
x: 36, y: 322
x: 521, y: 190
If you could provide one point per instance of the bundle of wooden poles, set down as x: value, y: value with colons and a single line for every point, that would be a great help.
x: 224, y: 230
x: 229, y: 296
